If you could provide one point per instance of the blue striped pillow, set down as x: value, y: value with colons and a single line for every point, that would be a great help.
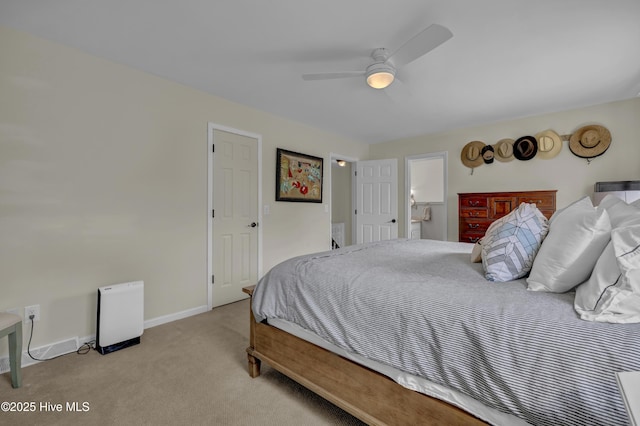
x: 512, y: 242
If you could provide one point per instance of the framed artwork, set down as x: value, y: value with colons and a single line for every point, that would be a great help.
x: 298, y: 177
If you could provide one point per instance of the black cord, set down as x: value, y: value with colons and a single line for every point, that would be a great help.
x: 82, y: 350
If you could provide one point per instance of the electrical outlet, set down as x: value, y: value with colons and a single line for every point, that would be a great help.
x: 32, y: 310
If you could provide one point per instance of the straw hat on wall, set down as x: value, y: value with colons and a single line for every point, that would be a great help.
x: 471, y: 155
x: 549, y: 144
x: 503, y: 150
x: 590, y: 141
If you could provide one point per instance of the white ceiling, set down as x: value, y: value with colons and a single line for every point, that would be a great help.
x: 507, y: 58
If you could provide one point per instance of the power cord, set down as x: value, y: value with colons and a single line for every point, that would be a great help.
x: 82, y: 350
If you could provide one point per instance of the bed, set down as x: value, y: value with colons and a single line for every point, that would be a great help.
x: 411, y: 332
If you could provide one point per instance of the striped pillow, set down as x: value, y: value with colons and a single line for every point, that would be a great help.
x: 512, y: 242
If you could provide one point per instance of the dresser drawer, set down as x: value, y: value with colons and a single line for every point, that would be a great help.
x: 473, y: 213
x: 542, y: 201
x: 470, y: 237
x: 547, y: 213
x: 473, y: 202
x: 474, y: 225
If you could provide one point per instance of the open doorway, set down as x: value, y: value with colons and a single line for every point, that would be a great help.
x: 342, y: 200
x: 425, y: 197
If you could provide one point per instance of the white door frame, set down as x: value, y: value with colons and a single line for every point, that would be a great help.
x: 407, y: 188
x: 333, y: 157
x: 210, y: 128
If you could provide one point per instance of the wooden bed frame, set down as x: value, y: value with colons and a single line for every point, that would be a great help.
x: 364, y: 393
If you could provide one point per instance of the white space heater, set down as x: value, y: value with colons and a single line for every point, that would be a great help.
x: 120, y: 316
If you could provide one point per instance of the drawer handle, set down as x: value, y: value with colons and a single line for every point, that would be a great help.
x: 474, y: 214
x: 534, y: 202
x: 473, y: 239
x: 473, y: 203
x: 474, y: 225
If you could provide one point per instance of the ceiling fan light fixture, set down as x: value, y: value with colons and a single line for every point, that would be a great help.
x: 380, y: 75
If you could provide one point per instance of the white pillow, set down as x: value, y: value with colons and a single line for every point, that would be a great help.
x: 618, y: 210
x: 511, y: 243
x: 577, y: 237
x: 612, y: 294
x: 604, y: 274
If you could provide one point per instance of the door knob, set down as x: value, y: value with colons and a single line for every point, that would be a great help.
x: 392, y: 221
x: 253, y: 225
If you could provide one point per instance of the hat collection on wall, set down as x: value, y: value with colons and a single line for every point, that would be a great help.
x: 587, y: 142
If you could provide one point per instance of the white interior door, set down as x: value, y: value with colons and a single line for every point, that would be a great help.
x: 377, y: 200
x: 234, y: 217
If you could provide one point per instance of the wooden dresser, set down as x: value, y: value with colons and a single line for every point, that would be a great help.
x: 477, y: 210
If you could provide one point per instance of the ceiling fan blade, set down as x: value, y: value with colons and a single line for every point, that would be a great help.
x: 422, y: 43
x: 331, y: 75
x: 398, y: 92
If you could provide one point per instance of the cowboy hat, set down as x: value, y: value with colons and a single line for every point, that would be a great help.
x: 549, y: 144
x: 590, y: 141
x: 503, y: 150
x: 471, y: 155
x: 525, y: 148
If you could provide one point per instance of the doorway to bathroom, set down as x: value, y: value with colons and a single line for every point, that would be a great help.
x: 425, y: 196
x: 342, y: 200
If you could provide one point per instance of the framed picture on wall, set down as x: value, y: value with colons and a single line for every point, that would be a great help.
x: 298, y: 177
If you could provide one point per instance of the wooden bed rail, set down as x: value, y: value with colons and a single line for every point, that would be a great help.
x: 364, y: 393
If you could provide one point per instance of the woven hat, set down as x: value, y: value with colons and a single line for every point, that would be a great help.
x: 525, y: 148
x: 471, y: 155
x: 549, y: 144
x: 503, y: 150
x: 590, y: 141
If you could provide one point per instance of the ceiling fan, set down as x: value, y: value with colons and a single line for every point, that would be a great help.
x: 382, y: 71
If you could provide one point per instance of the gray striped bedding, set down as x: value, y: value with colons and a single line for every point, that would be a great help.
x: 420, y: 306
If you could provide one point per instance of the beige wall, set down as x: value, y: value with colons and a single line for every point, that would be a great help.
x: 570, y: 175
x: 103, y: 179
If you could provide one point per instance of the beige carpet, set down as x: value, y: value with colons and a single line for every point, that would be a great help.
x: 192, y: 371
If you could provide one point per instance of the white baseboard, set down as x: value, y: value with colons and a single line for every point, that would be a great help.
x: 175, y: 316
x: 72, y: 344
x: 42, y: 352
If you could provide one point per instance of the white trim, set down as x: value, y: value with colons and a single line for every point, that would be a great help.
x: 164, y: 319
x: 64, y: 346
x: 210, y: 128
x: 407, y: 188
x: 43, y: 352
x: 332, y: 157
